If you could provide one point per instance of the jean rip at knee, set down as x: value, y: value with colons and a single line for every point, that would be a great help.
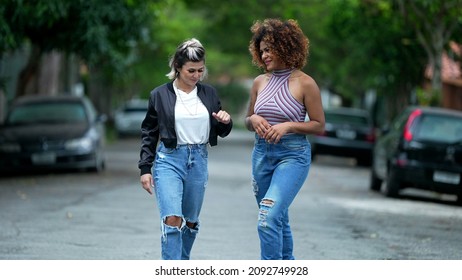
x: 170, y: 229
x: 265, y: 206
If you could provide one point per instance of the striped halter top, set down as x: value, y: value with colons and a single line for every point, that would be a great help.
x: 276, y: 104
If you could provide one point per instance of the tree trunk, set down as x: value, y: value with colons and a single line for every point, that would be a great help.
x: 49, y: 74
x: 438, y: 49
x: 98, y: 90
x: 28, y: 78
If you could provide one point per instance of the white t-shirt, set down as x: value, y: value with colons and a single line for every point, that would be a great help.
x: 192, y: 123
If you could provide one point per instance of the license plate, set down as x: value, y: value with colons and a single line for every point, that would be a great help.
x: 346, y: 134
x: 44, y: 158
x: 446, y: 177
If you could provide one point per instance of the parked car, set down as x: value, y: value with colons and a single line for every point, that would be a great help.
x: 128, y: 118
x: 422, y: 149
x: 50, y: 133
x: 349, y: 132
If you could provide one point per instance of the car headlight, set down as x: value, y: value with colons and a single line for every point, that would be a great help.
x: 10, y: 147
x: 85, y: 143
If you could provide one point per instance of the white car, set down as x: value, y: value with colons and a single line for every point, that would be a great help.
x: 129, y: 117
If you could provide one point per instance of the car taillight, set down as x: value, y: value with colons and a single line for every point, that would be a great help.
x: 410, y: 121
x: 370, y: 137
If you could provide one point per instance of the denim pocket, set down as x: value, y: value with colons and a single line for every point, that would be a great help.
x: 165, y: 150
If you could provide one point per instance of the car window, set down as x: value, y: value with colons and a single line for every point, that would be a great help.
x: 436, y: 128
x: 47, y: 113
x: 337, y: 118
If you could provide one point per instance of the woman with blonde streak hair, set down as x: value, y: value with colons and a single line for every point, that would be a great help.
x: 184, y: 117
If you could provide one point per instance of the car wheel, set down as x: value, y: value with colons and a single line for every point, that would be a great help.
x: 98, y: 168
x: 459, y: 199
x: 100, y: 165
x: 375, y: 182
x: 364, y: 161
x: 392, y: 184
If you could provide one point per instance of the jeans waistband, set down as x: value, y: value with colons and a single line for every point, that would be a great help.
x: 285, y: 138
x: 191, y: 146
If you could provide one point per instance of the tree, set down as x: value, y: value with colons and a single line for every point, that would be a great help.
x: 164, y: 33
x: 434, y: 22
x: 371, y: 48
x: 100, y: 32
x: 228, y: 27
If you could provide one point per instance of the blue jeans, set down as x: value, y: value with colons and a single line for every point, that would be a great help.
x: 279, y: 171
x: 180, y: 177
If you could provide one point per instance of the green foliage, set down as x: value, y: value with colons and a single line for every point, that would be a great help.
x: 232, y: 96
x: 172, y: 23
x: 428, y: 97
x: 228, y: 26
x: 8, y: 39
x: 228, y: 23
x: 435, y: 23
x: 355, y: 45
x: 98, y: 31
x: 371, y: 48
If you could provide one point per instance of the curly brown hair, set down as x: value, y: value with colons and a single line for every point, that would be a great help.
x: 285, y: 38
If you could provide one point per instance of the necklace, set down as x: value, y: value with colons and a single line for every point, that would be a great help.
x: 178, y: 93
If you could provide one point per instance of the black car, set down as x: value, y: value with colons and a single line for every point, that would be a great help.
x: 52, y: 132
x: 349, y: 132
x: 422, y: 149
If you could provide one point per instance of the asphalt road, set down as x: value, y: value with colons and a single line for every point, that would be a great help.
x: 109, y: 216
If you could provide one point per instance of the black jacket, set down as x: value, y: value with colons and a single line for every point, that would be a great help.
x: 159, y: 123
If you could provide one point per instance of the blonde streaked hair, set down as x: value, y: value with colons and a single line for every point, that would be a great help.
x: 189, y: 50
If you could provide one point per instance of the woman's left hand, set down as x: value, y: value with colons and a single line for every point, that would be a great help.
x: 222, y: 116
x: 274, y: 133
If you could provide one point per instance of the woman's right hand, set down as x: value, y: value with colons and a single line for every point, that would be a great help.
x: 147, y: 183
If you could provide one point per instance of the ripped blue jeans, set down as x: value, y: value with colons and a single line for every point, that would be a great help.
x: 180, y: 177
x: 279, y: 171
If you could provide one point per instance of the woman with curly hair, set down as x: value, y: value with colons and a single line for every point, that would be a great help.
x: 280, y: 100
